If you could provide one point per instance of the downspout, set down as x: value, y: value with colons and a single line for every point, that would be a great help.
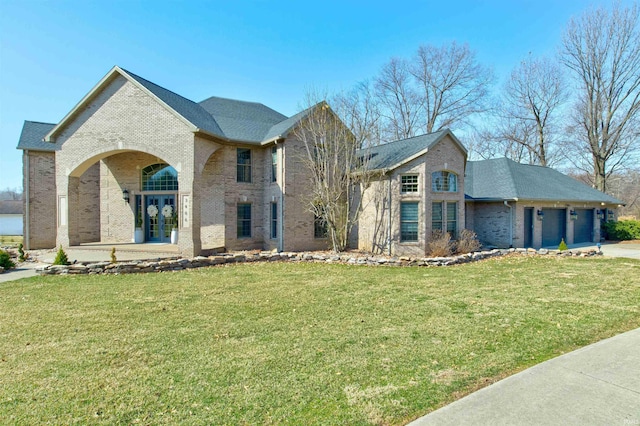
x: 25, y: 201
x: 510, y: 223
x: 281, y: 207
x: 389, y: 220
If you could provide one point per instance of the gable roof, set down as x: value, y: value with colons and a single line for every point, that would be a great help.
x: 32, y: 136
x: 11, y: 207
x: 391, y: 155
x: 283, y: 128
x: 227, y: 119
x: 504, y: 179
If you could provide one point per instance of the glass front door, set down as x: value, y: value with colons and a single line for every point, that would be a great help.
x: 161, y: 216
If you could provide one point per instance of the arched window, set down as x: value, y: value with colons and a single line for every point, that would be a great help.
x: 159, y: 177
x: 443, y: 181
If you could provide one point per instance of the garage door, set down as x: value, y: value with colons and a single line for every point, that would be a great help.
x: 553, y: 227
x: 583, y: 226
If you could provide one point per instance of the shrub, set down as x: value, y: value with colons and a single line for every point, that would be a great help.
x: 563, y: 245
x: 440, y: 244
x: 61, y: 258
x: 113, y: 255
x: 22, y: 256
x: 5, y: 260
x: 467, y: 242
x: 623, y: 230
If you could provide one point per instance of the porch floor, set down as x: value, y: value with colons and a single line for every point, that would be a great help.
x: 101, y: 252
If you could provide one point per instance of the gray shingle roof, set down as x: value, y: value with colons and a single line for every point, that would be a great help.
x: 504, y: 179
x: 32, y: 136
x: 190, y: 110
x: 11, y: 207
x: 284, y: 127
x: 394, y: 153
x: 241, y: 120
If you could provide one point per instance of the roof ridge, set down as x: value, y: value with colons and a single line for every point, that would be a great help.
x: 512, y: 178
x: 407, y: 139
x: 39, y: 122
x: 235, y: 100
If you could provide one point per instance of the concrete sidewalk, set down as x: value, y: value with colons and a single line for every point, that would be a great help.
x: 595, y: 385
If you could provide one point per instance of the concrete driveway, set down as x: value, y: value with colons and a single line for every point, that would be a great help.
x: 613, y: 249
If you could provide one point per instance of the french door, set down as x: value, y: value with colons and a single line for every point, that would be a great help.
x: 160, y: 216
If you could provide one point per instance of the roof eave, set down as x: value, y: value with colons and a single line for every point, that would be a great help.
x: 545, y: 200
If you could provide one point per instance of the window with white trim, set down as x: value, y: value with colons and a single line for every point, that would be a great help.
x: 244, y: 220
x: 244, y: 165
x: 409, y: 214
x: 452, y: 219
x: 274, y: 221
x: 408, y: 184
x: 436, y: 216
x: 443, y: 181
x: 274, y: 164
x: 444, y: 217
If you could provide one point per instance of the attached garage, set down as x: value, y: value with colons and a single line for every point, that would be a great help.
x: 583, y: 226
x: 553, y: 227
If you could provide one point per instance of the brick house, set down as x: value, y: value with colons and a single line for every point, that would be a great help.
x: 227, y: 174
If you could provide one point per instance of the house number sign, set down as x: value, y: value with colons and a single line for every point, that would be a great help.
x: 186, y: 206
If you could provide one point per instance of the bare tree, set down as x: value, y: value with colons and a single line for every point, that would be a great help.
x: 359, y: 110
x: 453, y: 85
x: 336, y: 170
x: 400, y: 104
x: 502, y: 138
x: 11, y: 194
x: 602, y: 50
x: 528, y: 116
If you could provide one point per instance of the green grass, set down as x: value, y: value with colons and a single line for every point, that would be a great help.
x: 10, y: 240
x: 285, y: 343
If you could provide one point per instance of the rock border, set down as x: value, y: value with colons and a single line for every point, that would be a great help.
x: 179, y: 264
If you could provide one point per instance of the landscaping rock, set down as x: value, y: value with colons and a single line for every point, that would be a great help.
x: 180, y: 264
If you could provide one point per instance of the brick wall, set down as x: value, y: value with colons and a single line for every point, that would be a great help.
x: 491, y: 224
x: 42, y: 199
x: 491, y: 221
x: 444, y: 156
x: 122, y: 120
x: 213, y: 218
x: 298, y: 219
x: 89, y: 203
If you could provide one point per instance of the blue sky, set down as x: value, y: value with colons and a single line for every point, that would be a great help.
x: 53, y: 52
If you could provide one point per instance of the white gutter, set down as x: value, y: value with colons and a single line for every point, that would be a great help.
x: 389, y: 230
x: 25, y: 201
x: 281, y: 206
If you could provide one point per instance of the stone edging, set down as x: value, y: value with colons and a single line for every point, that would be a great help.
x: 178, y: 264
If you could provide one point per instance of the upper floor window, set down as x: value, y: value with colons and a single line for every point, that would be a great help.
x: 159, y: 177
x: 409, y: 183
x: 244, y: 165
x: 443, y: 181
x: 274, y: 164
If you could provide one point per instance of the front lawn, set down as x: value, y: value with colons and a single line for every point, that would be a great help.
x: 294, y: 343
